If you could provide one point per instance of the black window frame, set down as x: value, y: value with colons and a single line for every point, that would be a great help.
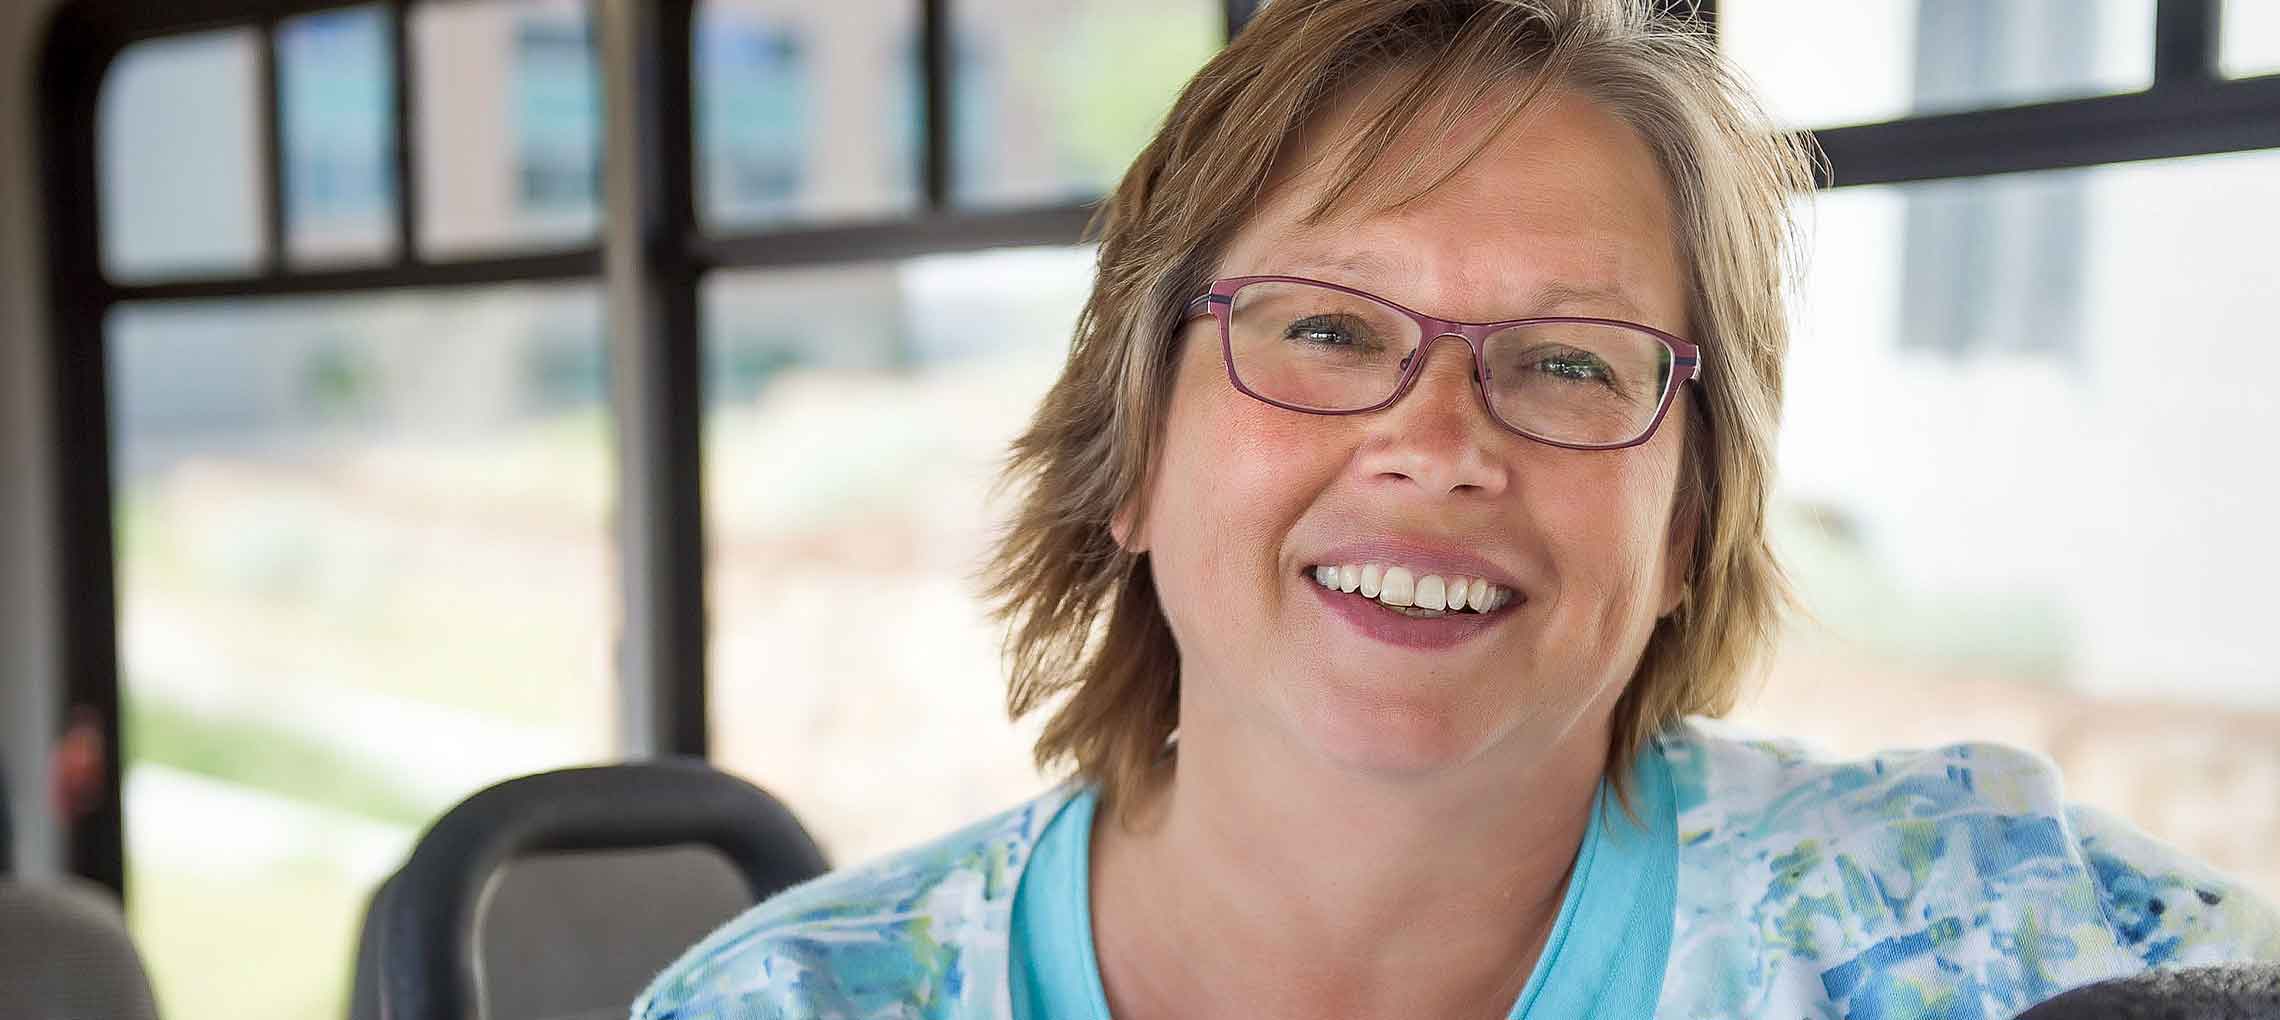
x: 83, y: 39
x: 2190, y: 109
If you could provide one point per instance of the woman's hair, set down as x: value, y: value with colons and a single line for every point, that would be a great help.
x: 1082, y: 614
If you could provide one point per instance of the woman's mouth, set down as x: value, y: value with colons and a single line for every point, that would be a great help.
x: 1410, y: 593
x: 1394, y: 605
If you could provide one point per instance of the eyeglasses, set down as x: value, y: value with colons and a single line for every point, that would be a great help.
x: 1574, y: 382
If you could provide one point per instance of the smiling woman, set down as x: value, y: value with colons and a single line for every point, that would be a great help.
x: 1382, y: 662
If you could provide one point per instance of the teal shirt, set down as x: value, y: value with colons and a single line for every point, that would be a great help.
x: 1604, y: 958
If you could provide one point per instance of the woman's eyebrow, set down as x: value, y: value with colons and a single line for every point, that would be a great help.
x: 1366, y: 263
x: 1561, y: 298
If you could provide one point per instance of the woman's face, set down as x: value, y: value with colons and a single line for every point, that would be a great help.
x: 1564, y: 213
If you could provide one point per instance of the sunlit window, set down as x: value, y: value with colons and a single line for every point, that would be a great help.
x: 1064, y: 92
x: 920, y: 372
x: 364, y: 571
x: 507, y: 122
x: 336, y: 91
x: 2044, y: 516
x: 1821, y: 64
x: 176, y: 150
x: 2249, y: 43
x: 803, y: 112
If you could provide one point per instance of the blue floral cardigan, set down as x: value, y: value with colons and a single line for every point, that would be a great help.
x: 1952, y: 883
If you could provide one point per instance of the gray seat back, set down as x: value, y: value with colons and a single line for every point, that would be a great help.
x: 2244, y: 991
x: 559, y: 895
x: 65, y: 955
x: 7, y: 822
x: 563, y: 935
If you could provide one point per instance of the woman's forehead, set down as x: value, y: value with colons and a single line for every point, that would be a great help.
x: 1533, y: 128
x: 1565, y: 205
x: 1570, y: 289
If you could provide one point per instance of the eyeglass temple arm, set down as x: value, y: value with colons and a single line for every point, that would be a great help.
x: 1202, y: 303
x: 1689, y: 369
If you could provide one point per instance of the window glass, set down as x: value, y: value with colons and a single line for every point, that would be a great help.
x: 363, y: 571
x: 2249, y: 43
x: 889, y: 392
x: 509, y: 124
x: 804, y: 111
x: 1825, y: 64
x: 1054, y: 97
x: 177, y: 151
x: 335, y: 95
x: 2025, y: 457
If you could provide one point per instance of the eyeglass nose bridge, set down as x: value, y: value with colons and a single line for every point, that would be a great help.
x: 1412, y: 364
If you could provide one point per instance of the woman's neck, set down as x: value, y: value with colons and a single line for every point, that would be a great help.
x: 1263, y: 883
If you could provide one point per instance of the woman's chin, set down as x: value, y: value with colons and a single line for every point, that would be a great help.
x: 1396, y: 733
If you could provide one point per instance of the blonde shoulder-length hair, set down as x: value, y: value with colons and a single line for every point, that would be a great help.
x: 1082, y: 614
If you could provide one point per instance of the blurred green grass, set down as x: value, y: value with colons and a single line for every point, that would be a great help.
x: 270, y: 759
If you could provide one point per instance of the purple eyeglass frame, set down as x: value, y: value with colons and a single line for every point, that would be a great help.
x: 1219, y: 303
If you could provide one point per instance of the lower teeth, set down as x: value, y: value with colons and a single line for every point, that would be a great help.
x: 1412, y: 612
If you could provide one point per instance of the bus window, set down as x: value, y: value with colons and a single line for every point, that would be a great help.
x: 177, y: 155
x: 2023, y: 470
x: 508, y: 125
x: 919, y: 373
x: 2251, y: 38
x: 805, y: 112
x: 337, y: 125
x: 1038, y: 121
x: 1820, y: 65
x: 363, y: 571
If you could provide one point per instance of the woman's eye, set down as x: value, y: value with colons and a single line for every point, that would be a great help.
x: 1576, y: 366
x: 1327, y: 331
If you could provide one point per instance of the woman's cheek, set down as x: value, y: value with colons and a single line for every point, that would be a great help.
x: 1208, y: 507
x: 1603, y: 526
x: 1258, y: 456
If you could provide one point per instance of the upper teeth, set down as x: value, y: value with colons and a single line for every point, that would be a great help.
x: 1400, y: 586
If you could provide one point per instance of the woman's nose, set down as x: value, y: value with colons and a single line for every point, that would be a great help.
x: 1437, y: 434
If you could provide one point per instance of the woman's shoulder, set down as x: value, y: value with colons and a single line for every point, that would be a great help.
x: 904, y: 934
x: 1729, y: 778
x: 1957, y: 871
x: 2169, y: 908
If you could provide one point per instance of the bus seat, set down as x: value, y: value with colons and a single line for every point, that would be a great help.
x: 364, y: 989
x: 65, y: 952
x: 2240, y: 991
x: 559, y: 895
x: 7, y: 822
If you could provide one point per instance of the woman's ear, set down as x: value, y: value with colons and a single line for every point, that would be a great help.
x: 1122, y: 527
